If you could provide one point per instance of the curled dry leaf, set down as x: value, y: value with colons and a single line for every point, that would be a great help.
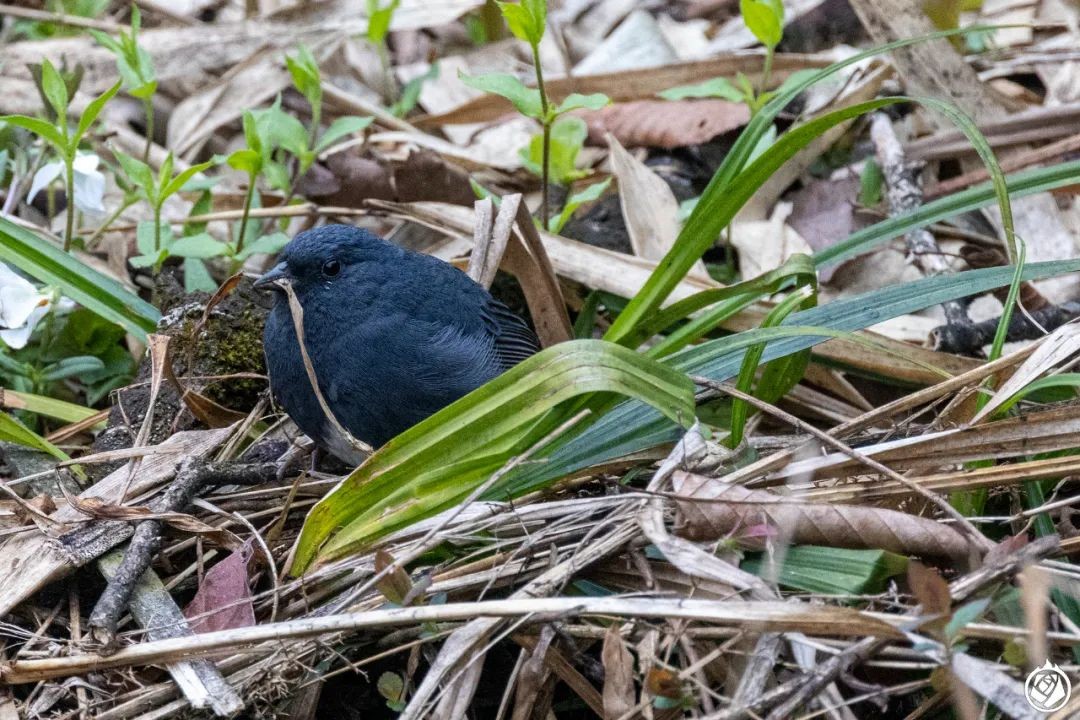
x: 665, y: 124
x: 710, y: 509
x: 618, y: 675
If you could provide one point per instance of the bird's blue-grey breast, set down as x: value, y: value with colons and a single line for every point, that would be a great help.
x: 393, y: 336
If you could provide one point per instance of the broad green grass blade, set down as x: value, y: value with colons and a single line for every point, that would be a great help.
x: 715, y: 210
x: 834, y: 571
x: 710, y: 214
x: 41, y: 405
x: 11, y: 430
x: 1019, y: 184
x: 51, y: 265
x: 797, y: 269
x: 1062, y: 380
x: 633, y: 427
x: 441, y: 460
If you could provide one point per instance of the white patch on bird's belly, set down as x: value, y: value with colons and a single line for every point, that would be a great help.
x: 340, y: 447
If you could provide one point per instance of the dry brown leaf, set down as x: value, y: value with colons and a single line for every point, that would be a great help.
x: 396, y: 584
x: 193, y: 53
x: 618, y: 675
x: 223, y: 600
x: 666, y: 124
x: 648, y: 206
x: 765, y: 245
x: 929, y: 588
x: 491, y: 238
x: 247, y: 85
x: 824, y: 212
x: 710, y: 509
x: 629, y: 85
x: 527, y: 258
x: 347, y: 179
x: 1046, y: 431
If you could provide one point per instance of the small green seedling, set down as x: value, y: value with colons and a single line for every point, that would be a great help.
x: 136, y: 69
x: 527, y: 21
x: 58, y: 135
x: 154, y: 239
x: 278, y: 129
x: 379, y: 19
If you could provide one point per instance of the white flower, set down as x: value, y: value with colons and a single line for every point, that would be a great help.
x: 21, y: 307
x: 89, y: 182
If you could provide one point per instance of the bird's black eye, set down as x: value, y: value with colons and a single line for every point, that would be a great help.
x: 331, y: 268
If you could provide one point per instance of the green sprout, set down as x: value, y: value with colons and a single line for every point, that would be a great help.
x: 57, y: 134
x: 527, y: 21
x: 136, y: 70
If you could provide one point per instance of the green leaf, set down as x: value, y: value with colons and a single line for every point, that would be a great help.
x: 49, y: 264
x: 714, y: 88
x: 55, y: 90
x: 525, y: 99
x: 634, y: 427
x: 197, y: 246
x: 246, y: 160
x: 251, y: 133
x: 144, y: 91
x: 442, y: 459
x: 410, y: 94
x: 526, y: 19
x: 719, y: 204
x: 145, y: 238
x: 765, y: 19
x: 576, y: 200
x: 47, y: 406
x: 1061, y: 380
x: 718, y: 304
x: 11, y: 430
x: 196, y: 277
x: 177, y: 183
x: 266, y: 245
x: 870, y: 183
x: 145, y: 261
x: 1018, y: 185
x: 577, y: 101
x: 740, y: 411
x: 138, y: 172
x: 304, y: 70
x: 379, y: 19
x: 93, y: 109
x: 277, y: 128
x: 43, y: 129
x: 106, y: 41
x: 340, y: 128
x: 964, y: 616
x: 829, y: 570
x: 72, y: 366
x: 567, y: 138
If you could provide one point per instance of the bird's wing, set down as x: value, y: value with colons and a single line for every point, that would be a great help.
x: 514, y: 340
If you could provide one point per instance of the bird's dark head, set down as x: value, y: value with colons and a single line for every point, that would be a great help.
x: 326, y: 255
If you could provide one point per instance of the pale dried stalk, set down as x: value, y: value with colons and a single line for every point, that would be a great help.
x: 759, y: 616
x: 297, y: 312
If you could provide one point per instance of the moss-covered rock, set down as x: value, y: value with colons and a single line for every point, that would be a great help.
x: 203, y: 359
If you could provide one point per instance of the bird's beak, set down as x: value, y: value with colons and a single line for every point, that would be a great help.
x: 270, y: 280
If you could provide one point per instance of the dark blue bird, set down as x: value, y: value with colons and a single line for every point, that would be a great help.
x: 393, y: 336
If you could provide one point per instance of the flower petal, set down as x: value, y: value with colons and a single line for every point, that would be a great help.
x: 90, y: 192
x: 43, y: 177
